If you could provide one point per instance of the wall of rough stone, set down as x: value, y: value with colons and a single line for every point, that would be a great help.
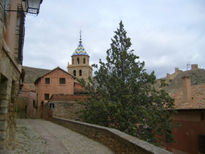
x: 67, y: 109
x: 117, y: 141
x: 9, y: 86
x: 9, y: 80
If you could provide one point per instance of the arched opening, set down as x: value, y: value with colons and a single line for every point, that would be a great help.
x: 72, y: 60
x: 78, y: 60
x: 84, y: 60
x: 74, y: 72
x: 80, y: 72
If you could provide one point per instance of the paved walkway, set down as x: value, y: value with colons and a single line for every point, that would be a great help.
x: 44, y: 137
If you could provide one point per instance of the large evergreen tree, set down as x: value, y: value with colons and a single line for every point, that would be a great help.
x: 123, y: 95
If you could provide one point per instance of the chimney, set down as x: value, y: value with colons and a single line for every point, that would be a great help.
x: 186, y: 88
x: 194, y: 66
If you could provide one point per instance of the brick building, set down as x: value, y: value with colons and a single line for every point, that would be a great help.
x: 57, y: 81
x: 188, y: 90
x: 26, y: 100
x: 80, y: 67
x: 12, y: 19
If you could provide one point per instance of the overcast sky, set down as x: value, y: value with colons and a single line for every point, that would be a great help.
x: 164, y: 33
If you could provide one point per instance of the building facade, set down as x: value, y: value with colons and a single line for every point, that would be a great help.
x: 56, y: 81
x: 12, y: 19
x: 188, y: 90
x: 11, y: 45
x: 80, y: 67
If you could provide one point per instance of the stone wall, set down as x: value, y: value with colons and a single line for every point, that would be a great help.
x: 117, y: 141
x: 9, y: 85
x: 67, y: 106
x: 67, y: 109
x: 9, y: 78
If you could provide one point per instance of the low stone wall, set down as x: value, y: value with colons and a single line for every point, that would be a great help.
x: 117, y: 141
x: 67, y: 110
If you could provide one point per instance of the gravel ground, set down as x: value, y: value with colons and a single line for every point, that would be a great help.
x: 44, y: 137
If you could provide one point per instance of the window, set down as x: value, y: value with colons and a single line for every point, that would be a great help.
x: 52, y: 105
x: 78, y: 61
x: 83, y: 60
x: 74, y: 72
x: 46, y: 96
x: 47, y: 80
x: 73, y: 61
x: 80, y: 72
x: 34, y: 103
x: 62, y: 80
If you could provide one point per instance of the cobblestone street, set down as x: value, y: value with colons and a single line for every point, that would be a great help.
x: 44, y: 137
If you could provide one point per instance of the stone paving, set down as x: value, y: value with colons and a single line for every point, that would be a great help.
x: 43, y: 137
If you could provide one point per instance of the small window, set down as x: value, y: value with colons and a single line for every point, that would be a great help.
x: 73, y: 61
x: 52, y: 105
x: 34, y: 103
x: 83, y: 60
x: 47, y: 80
x: 74, y: 72
x: 78, y: 61
x: 62, y: 80
x: 80, y: 72
x: 46, y: 96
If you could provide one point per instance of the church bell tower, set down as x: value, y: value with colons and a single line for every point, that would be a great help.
x: 80, y: 67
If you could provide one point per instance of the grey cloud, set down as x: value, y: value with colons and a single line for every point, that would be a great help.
x: 165, y: 34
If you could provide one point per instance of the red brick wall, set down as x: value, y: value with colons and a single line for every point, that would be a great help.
x: 78, y: 88
x: 54, y: 87
x: 192, y: 124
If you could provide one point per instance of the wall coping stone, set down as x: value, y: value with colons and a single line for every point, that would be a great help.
x: 130, y: 139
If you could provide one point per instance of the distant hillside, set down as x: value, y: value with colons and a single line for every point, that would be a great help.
x: 31, y: 74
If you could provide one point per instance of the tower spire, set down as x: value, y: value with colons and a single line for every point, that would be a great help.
x: 80, y: 49
x: 80, y: 42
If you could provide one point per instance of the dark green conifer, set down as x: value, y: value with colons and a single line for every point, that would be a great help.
x: 123, y: 95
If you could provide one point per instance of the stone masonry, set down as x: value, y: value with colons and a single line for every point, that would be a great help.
x: 9, y: 81
x: 11, y: 54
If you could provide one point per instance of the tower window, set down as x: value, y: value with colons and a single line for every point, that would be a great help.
x: 83, y: 60
x: 74, y: 72
x: 47, y: 80
x: 80, y: 72
x: 73, y: 61
x: 78, y: 61
x: 62, y: 80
